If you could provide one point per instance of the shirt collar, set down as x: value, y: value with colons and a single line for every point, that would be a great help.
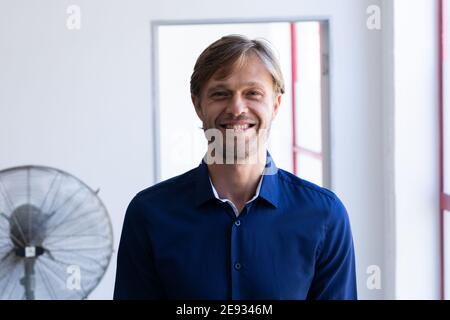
x: 223, y: 200
x: 268, y: 187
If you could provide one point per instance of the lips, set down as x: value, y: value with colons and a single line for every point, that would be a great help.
x: 237, y: 126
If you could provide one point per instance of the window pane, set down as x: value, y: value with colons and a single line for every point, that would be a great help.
x: 182, y: 143
x: 308, y: 101
x: 308, y: 86
x: 309, y: 168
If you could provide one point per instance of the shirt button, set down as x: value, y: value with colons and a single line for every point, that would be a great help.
x: 237, y: 223
x: 237, y: 266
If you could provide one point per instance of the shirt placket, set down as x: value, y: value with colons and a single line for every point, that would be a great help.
x: 238, y: 263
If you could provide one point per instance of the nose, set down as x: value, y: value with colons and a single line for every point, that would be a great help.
x: 237, y: 105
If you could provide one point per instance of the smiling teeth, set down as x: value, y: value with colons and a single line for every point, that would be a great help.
x: 238, y: 127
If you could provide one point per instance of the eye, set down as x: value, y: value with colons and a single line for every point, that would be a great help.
x: 219, y: 94
x: 254, y: 93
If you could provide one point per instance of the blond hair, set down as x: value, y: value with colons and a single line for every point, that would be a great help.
x: 232, y: 51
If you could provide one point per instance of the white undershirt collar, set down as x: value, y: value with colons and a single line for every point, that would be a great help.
x: 236, y: 212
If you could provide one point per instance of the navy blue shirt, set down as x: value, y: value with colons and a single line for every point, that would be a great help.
x: 180, y: 242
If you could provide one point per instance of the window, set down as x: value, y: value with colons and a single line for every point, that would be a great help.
x: 299, y: 134
x: 309, y: 113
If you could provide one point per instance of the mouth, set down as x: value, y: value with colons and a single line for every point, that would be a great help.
x: 237, y: 127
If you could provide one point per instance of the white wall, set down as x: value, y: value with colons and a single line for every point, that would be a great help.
x: 416, y: 149
x: 446, y: 137
x: 81, y: 100
x: 388, y: 136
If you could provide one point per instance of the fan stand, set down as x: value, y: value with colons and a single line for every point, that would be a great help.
x: 29, y: 256
x: 28, y: 280
x: 24, y: 221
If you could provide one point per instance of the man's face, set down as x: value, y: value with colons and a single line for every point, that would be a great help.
x: 243, y: 104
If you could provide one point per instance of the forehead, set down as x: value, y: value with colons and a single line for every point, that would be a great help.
x: 248, y: 71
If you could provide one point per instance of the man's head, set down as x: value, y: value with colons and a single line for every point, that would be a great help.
x: 236, y: 88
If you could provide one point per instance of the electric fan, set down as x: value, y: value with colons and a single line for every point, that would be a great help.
x: 55, y: 235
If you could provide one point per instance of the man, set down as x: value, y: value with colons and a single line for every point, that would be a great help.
x: 236, y: 227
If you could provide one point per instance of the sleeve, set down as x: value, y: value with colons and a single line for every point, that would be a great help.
x: 136, y: 276
x: 335, y: 277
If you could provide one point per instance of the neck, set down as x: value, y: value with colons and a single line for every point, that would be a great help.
x: 237, y: 182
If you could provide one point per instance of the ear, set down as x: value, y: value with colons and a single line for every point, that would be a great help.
x: 198, y: 108
x: 276, y: 105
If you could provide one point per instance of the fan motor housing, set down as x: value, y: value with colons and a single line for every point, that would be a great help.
x: 27, y: 222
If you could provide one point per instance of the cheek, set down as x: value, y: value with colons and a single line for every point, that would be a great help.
x: 211, y: 117
x: 263, y: 112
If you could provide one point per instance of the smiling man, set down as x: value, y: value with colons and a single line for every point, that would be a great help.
x: 236, y: 227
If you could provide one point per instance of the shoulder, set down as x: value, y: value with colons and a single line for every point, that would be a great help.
x: 297, y: 184
x: 171, y: 185
x: 162, y: 192
x: 325, y: 200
